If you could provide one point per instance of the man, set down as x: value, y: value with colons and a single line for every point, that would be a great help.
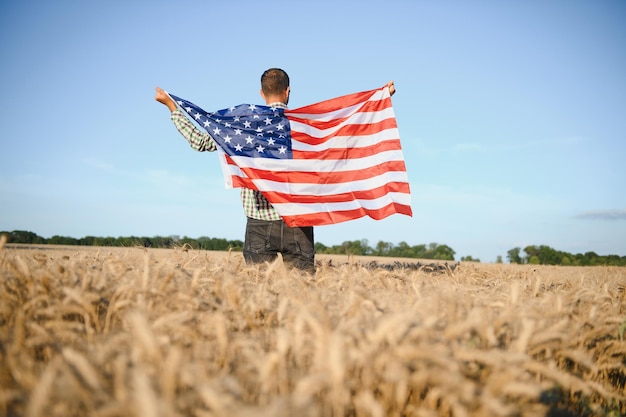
x: 266, y: 233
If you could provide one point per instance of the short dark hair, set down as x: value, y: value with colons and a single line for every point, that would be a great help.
x: 274, y: 81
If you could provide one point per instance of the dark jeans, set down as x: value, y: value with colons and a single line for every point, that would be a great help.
x: 265, y: 239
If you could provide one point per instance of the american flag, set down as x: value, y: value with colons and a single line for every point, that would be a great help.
x: 326, y: 163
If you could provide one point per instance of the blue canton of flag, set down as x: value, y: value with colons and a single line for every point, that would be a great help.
x: 245, y: 130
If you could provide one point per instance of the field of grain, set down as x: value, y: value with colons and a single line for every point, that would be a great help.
x: 174, y: 332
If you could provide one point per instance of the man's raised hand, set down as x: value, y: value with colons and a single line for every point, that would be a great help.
x: 162, y: 97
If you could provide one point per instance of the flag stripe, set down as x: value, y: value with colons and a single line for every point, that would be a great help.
x: 371, y: 112
x: 322, y: 191
x: 327, y: 167
x: 310, y: 135
x: 368, y: 194
x: 293, y: 179
x: 348, y: 141
x: 350, y: 152
x: 297, y: 209
x: 340, y: 106
x: 332, y: 217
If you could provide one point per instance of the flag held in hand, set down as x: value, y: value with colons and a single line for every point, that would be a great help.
x: 326, y: 163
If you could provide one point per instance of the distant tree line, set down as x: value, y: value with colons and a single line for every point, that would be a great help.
x: 356, y: 247
x: 538, y: 255
x: 203, y: 242
x: 545, y: 255
x: 401, y: 250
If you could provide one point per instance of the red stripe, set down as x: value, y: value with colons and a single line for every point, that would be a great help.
x: 342, y: 216
x: 242, y: 182
x: 305, y: 177
x: 334, y: 104
x: 371, y: 194
x: 349, y: 153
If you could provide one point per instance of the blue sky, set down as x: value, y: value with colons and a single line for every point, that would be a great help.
x: 512, y: 115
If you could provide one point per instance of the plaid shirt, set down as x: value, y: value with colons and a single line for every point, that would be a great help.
x: 255, y: 205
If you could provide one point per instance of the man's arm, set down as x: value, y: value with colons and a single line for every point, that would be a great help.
x: 164, y: 98
x: 198, y: 139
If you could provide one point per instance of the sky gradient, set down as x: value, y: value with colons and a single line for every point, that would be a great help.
x: 512, y: 115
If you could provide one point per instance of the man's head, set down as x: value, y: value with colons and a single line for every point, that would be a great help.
x: 275, y: 86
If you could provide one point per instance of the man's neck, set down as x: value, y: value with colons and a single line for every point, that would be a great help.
x: 277, y: 104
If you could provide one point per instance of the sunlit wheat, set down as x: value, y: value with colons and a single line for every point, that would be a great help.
x: 179, y: 332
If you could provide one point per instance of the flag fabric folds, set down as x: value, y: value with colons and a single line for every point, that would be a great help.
x: 326, y: 163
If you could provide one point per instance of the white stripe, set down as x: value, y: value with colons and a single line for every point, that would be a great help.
x: 229, y: 170
x: 318, y: 165
x: 228, y: 182
x: 332, y: 188
x: 295, y: 209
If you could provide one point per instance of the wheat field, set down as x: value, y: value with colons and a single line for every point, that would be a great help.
x: 178, y: 332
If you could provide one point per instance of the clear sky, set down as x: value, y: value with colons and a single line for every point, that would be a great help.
x: 512, y: 115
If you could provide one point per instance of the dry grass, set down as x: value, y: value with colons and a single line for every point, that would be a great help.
x: 134, y: 332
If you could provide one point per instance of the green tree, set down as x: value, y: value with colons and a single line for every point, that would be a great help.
x: 355, y: 247
x: 513, y: 255
x: 88, y: 241
x: 531, y: 251
x: 383, y: 248
x: 590, y: 258
x: 548, y: 256
x: 444, y: 253
x: 23, y: 236
x: 320, y: 247
x: 402, y: 250
x: 420, y: 251
x: 469, y: 258
x: 106, y: 241
x: 533, y: 260
x: 613, y: 260
x: 63, y: 240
